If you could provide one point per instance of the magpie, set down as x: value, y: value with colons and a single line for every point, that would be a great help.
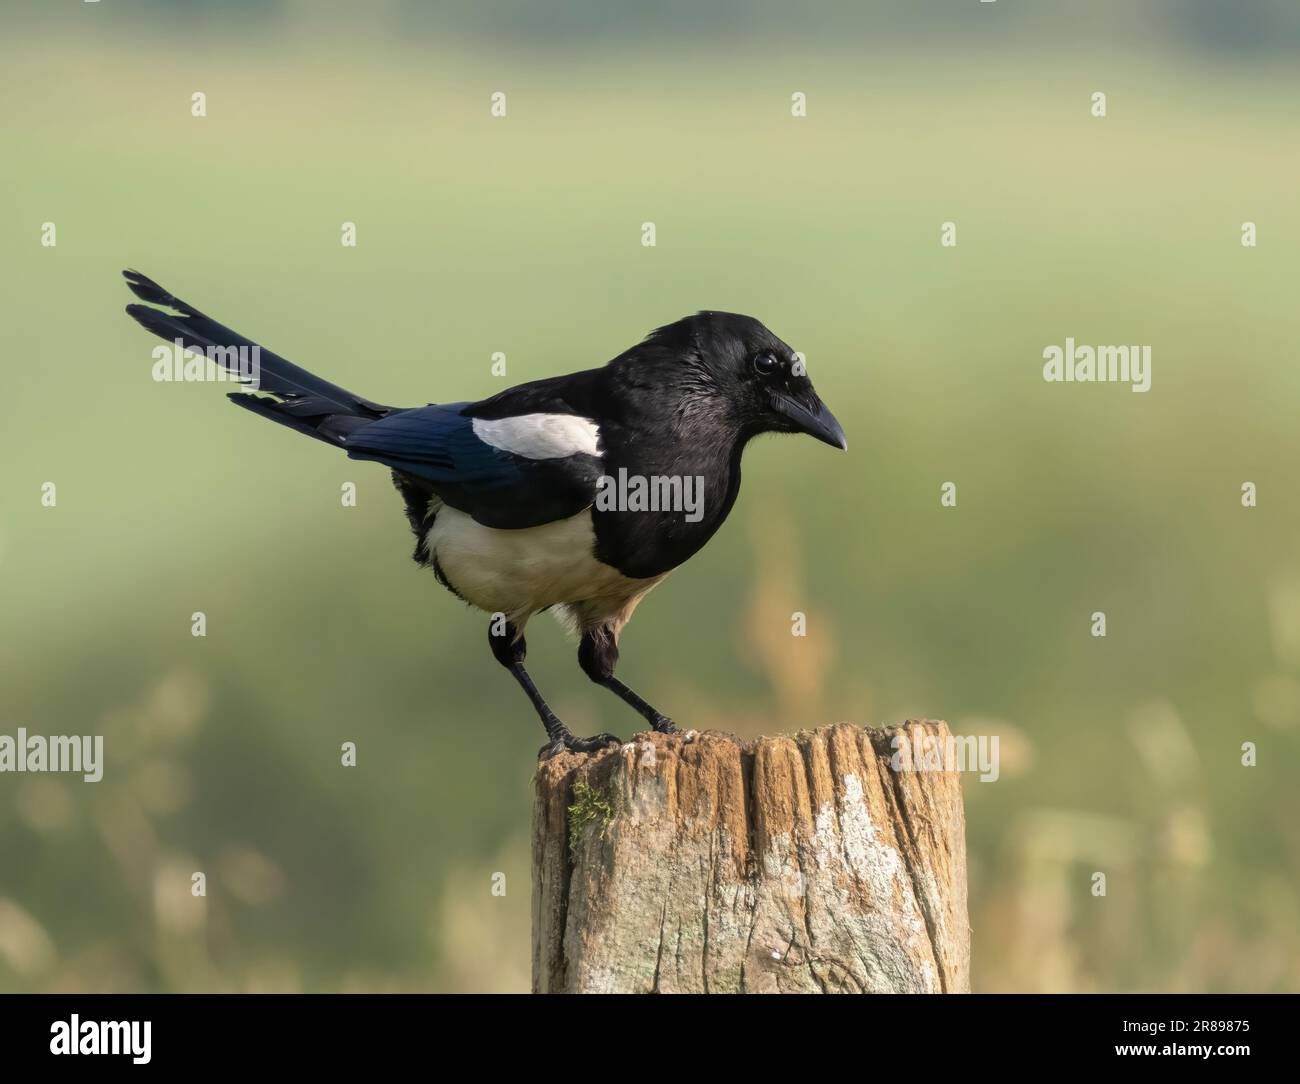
x: 565, y: 494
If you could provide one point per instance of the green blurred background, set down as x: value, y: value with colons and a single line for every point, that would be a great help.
x: 522, y: 235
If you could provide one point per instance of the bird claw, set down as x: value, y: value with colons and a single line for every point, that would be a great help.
x: 664, y: 725
x: 566, y: 742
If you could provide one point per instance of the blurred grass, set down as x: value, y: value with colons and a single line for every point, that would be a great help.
x: 522, y: 235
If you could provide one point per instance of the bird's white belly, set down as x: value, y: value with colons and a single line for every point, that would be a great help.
x: 523, y: 571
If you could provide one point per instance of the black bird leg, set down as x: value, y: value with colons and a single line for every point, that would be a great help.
x: 598, y: 655
x: 509, y: 650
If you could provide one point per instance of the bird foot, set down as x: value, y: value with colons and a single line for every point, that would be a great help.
x: 566, y: 742
x: 664, y: 725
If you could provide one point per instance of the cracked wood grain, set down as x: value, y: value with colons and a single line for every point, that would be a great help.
x: 780, y: 865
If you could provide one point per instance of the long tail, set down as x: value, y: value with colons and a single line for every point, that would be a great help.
x: 302, y: 400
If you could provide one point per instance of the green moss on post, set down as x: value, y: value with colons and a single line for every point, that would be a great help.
x: 590, y: 806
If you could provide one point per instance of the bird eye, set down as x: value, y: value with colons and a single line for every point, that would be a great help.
x: 764, y: 364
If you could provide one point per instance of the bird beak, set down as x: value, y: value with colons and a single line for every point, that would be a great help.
x: 818, y: 422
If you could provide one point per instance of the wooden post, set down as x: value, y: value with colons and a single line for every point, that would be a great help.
x: 707, y: 864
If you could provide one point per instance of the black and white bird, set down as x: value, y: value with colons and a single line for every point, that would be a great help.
x: 564, y: 494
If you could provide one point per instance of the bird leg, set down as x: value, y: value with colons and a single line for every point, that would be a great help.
x: 598, y: 655
x: 509, y: 649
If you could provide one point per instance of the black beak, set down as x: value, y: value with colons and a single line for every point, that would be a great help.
x: 818, y: 422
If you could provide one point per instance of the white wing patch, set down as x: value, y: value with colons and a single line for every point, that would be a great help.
x: 540, y: 436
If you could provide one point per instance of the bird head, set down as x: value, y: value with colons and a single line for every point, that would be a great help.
x: 739, y: 371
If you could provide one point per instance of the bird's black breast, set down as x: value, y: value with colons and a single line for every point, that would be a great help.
x: 642, y: 542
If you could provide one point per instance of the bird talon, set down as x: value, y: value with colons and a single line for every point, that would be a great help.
x: 552, y: 749
x: 594, y: 743
x: 664, y: 725
x: 566, y: 742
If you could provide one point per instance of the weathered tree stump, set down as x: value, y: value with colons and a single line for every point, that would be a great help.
x: 802, y: 864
